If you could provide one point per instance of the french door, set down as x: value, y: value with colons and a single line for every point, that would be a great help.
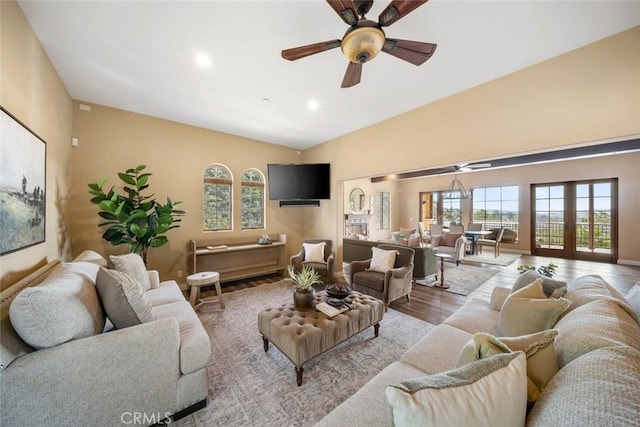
x: 577, y: 220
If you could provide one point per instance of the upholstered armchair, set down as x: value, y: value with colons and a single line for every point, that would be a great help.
x: 313, y: 255
x: 389, y: 285
x: 454, y: 244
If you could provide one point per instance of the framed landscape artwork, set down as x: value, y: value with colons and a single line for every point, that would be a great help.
x: 22, y: 185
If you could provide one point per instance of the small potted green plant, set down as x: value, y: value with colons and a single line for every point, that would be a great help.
x: 546, y: 270
x: 304, y: 295
x: 264, y: 240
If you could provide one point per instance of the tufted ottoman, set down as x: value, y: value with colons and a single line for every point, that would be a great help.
x: 304, y: 334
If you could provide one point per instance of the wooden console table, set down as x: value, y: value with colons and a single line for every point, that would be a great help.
x: 238, y: 259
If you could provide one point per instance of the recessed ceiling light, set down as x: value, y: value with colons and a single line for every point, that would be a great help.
x: 203, y: 60
x: 266, y: 100
x: 313, y: 105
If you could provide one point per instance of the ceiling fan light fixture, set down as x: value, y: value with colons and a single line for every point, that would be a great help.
x: 363, y: 43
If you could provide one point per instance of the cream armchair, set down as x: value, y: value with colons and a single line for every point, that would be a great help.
x: 454, y: 244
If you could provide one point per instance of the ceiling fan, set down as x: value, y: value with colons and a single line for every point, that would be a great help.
x: 364, y: 39
x: 467, y: 167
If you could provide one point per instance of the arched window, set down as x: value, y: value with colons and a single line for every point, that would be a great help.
x: 252, y: 187
x: 217, y: 198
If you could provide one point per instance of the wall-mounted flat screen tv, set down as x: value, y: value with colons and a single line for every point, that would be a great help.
x: 306, y: 181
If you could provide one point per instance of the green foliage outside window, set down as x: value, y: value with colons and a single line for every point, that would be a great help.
x: 217, y: 198
x: 252, y: 192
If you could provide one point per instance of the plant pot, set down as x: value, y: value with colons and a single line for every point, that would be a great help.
x: 304, y: 299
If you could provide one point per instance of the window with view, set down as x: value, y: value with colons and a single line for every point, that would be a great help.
x: 382, y: 210
x: 451, y: 209
x: 496, y: 207
x: 217, y: 182
x: 252, y: 189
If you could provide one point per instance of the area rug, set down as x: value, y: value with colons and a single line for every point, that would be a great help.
x: 489, y: 258
x: 251, y: 387
x: 462, y: 279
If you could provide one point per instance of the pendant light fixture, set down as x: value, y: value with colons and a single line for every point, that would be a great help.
x: 456, y: 190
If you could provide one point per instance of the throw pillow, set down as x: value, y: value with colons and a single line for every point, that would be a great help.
x: 407, y: 231
x: 488, y: 392
x: 314, y: 252
x: 132, y: 265
x: 382, y: 260
x: 528, y: 310
x: 64, y: 307
x: 449, y: 239
x: 541, y: 357
x: 633, y: 298
x: 552, y: 288
x: 123, y: 299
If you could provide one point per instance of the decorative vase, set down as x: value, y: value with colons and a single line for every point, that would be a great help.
x: 304, y: 299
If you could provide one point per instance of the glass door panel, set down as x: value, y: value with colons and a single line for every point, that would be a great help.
x: 594, y: 219
x: 550, y: 222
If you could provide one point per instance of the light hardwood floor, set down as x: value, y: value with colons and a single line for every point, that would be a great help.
x: 435, y: 305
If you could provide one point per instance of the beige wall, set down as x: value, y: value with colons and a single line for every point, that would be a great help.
x: 112, y: 141
x: 590, y: 94
x: 31, y: 90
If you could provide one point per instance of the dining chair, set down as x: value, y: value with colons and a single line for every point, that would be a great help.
x: 424, y: 236
x: 456, y: 228
x: 495, y: 243
x: 474, y: 226
x: 435, y: 229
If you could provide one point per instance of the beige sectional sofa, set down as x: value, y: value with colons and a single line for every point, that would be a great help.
x: 98, y: 375
x: 597, y: 351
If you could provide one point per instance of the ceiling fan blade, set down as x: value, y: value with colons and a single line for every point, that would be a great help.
x: 352, y: 76
x: 478, y: 166
x: 310, y: 49
x: 468, y: 167
x: 398, y: 9
x: 346, y: 10
x: 407, y: 50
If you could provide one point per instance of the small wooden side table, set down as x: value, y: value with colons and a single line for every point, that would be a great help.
x: 442, y: 257
x: 204, y: 278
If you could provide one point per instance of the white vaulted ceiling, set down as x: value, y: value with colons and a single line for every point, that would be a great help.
x: 140, y: 56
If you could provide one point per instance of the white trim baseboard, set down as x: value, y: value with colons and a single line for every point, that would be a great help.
x: 629, y: 262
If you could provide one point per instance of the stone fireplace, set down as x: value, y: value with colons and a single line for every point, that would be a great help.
x: 357, y: 223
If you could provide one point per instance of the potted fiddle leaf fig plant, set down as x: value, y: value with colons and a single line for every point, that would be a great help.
x: 304, y: 295
x: 132, y: 218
